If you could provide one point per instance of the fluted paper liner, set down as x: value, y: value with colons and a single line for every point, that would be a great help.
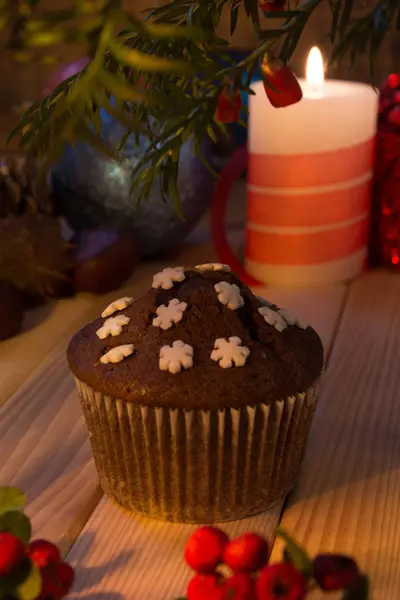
x: 194, y: 465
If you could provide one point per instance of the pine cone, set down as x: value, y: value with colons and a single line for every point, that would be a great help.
x: 33, y: 254
x: 21, y: 192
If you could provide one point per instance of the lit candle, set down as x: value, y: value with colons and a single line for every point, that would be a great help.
x: 309, y: 181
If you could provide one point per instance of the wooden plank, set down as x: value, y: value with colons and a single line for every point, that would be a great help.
x: 124, y: 555
x: 348, y: 496
x: 43, y: 328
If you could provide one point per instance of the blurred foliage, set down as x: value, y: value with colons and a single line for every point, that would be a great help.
x: 161, y: 75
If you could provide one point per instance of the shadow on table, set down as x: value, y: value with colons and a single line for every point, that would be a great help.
x: 87, y: 577
x: 35, y: 316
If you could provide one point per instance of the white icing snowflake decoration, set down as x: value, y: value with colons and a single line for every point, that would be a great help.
x: 168, y: 315
x: 166, y: 278
x: 117, y: 305
x: 112, y: 326
x: 117, y: 354
x: 292, y: 319
x: 272, y: 317
x: 174, y: 358
x: 229, y: 294
x: 230, y: 352
x: 213, y: 267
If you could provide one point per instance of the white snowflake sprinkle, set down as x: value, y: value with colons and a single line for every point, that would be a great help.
x: 112, y: 326
x: 174, y: 358
x: 213, y: 267
x: 166, y: 278
x: 168, y: 315
x: 229, y: 294
x: 292, y: 319
x: 272, y: 317
x: 230, y: 352
x: 117, y: 305
x: 117, y: 354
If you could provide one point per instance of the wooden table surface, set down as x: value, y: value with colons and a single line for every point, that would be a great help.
x: 348, y: 494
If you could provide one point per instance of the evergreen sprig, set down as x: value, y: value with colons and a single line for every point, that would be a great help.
x: 161, y: 76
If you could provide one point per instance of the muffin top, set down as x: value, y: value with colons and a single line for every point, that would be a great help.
x: 199, y: 338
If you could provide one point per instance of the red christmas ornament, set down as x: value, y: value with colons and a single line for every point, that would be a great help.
x: 247, y: 553
x: 286, y: 89
x: 228, y: 108
x: 272, y: 5
x: 12, y: 552
x: 385, y: 218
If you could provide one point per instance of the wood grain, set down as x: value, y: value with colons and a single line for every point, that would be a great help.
x: 119, y: 555
x: 348, y: 496
x: 43, y: 328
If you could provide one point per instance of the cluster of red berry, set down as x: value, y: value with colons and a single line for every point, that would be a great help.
x: 56, y: 576
x: 29, y: 570
x: 250, y: 576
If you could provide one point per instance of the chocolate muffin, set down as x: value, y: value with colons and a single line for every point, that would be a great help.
x: 198, y: 396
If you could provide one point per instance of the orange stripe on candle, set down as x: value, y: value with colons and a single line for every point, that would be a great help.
x: 311, y: 209
x: 308, y: 248
x: 305, y: 170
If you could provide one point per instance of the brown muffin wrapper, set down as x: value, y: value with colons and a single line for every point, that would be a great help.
x: 197, y: 466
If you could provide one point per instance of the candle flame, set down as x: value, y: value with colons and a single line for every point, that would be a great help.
x: 315, y: 70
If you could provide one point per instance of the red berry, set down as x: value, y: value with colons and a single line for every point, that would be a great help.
x: 239, y: 586
x: 57, y: 580
x: 335, y: 572
x: 204, y: 587
x: 394, y: 115
x: 42, y: 552
x: 12, y: 552
x: 280, y: 582
x: 203, y: 551
x: 247, y: 553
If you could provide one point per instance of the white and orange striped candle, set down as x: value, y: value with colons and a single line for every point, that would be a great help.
x: 309, y: 182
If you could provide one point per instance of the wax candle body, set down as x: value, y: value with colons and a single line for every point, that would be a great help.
x: 309, y: 181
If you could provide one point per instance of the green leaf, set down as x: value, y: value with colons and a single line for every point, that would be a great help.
x: 251, y: 7
x: 148, y: 62
x: 127, y: 93
x: 11, y: 499
x: 335, y: 6
x: 17, y: 523
x: 24, y: 582
x: 359, y: 592
x: 295, y: 553
x: 234, y: 19
x: 31, y: 587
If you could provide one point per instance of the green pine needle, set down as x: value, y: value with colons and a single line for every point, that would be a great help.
x: 161, y: 76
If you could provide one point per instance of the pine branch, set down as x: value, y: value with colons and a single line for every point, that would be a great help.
x: 161, y: 76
